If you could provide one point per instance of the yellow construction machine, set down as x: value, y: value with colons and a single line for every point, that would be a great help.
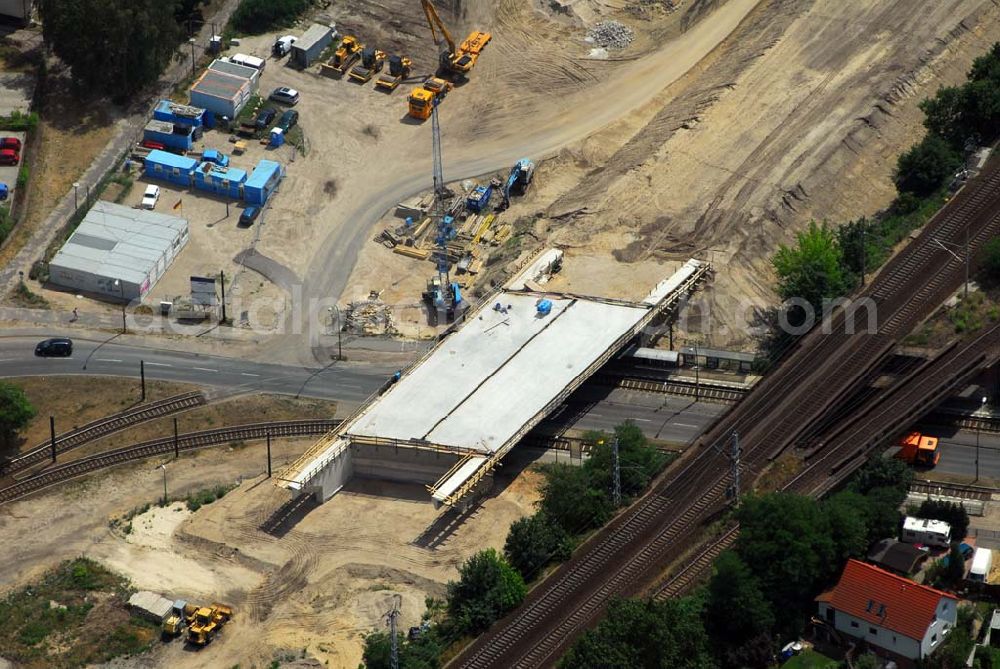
x: 372, y: 61
x: 349, y: 51
x: 180, y: 617
x: 207, y: 622
x: 399, y: 69
x: 455, y: 60
x: 422, y: 98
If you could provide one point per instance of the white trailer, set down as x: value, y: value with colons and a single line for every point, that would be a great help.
x: 926, y: 531
x: 982, y: 562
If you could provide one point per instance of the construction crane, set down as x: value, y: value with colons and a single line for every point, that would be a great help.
x: 441, y: 293
x: 372, y: 61
x: 456, y: 60
x: 399, y: 69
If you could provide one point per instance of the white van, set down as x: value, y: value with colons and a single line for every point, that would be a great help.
x: 982, y: 562
x: 283, y: 45
x: 248, y: 61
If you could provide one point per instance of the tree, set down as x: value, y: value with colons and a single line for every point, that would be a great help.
x: 955, y: 569
x: 424, y: 652
x: 945, y: 114
x: 884, y: 472
x: 813, y: 270
x: 847, y: 515
x: 952, y: 513
x: 927, y: 166
x: 639, y: 462
x: 883, y: 513
x: 16, y: 411
x: 860, y: 244
x: 533, y: 542
x: 644, y: 634
x: 736, y: 611
x: 488, y: 587
x: 116, y: 48
x: 569, y: 500
x: 785, y: 539
x: 259, y: 16
x: 990, y: 260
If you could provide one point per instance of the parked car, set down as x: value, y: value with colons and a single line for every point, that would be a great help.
x: 12, y: 143
x: 56, y: 347
x: 285, y: 95
x: 249, y: 215
x: 265, y: 117
x: 215, y: 156
x: 9, y: 157
x: 288, y: 120
x: 150, y: 197
x: 283, y: 45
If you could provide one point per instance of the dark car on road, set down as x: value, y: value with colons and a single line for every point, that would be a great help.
x: 58, y: 347
x: 288, y: 120
x: 265, y: 117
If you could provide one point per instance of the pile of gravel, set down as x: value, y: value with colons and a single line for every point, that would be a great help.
x: 611, y: 35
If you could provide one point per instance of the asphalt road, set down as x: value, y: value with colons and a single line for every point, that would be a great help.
x: 339, y: 381
x: 958, y: 454
x: 665, y: 417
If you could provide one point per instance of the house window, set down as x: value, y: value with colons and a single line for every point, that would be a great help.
x: 830, y: 613
x: 933, y: 639
x: 854, y: 624
x: 872, y: 630
x: 894, y: 639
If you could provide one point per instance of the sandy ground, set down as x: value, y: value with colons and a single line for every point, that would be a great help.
x: 319, y: 585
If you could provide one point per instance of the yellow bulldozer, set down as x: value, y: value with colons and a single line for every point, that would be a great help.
x: 207, y: 622
x: 180, y: 618
x: 345, y: 55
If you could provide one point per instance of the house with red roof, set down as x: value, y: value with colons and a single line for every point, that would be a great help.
x: 889, y: 612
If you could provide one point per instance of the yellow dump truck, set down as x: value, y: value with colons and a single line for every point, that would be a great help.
x: 207, y: 622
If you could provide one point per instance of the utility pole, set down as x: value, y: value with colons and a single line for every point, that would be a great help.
x: 616, y: 474
x: 393, y: 635
x: 177, y: 448
x: 734, y: 468
x: 864, y: 254
x: 52, y: 435
x: 223, y: 275
x: 268, y: 454
x: 142, y: 379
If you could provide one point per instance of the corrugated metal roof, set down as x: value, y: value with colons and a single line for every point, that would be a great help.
x: 120, y: 242
x: 262, y: 173
x: 220, y: 85
x: 235, y: 69
x: 168, y: 159
x: 315, y: 33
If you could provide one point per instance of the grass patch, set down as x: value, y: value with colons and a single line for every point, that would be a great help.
x: 6, y: 222
x: 198, y: 499
x: 19, y: 121
x: 810, y: 659
x: 74, y: 616
x: 297, y: 138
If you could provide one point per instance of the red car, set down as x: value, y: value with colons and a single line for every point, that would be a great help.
x: 12, y: 143
x: 150, y: 144
x: 9, y: 157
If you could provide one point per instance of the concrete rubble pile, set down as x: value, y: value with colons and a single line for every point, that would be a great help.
x: 611, y: 35
x: 370, y: 316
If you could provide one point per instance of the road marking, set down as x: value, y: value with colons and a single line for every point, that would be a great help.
x: 685, y: 425
x: 158, y: 364
x: 204, y: 369
x: 643, y: 420
x: 108, y: 360
x: 248, y: 374
x: 7, y: 359
x: 595, y: 415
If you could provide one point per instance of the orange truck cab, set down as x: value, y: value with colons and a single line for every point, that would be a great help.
x: 919, y: 449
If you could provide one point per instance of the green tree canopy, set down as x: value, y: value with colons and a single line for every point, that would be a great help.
x: 990, y: 260
x: 847, y: 514
x: 884, y: 472
x: 569, y: 500
x: 260, y: 16
x: 424, y: 652
x: 639, y: 462
x: 787, y: 541
x: 117, y: 48
x: 952, y: 513
x: 813, y: 269
x: 16, y: 411
x: 644, y: 635
x: 488, y: 587
x: 533, y: 542
x: 736, y: 611
x: 927, y: 166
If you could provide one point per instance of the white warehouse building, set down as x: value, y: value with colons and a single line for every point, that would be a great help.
x: 117, y: 243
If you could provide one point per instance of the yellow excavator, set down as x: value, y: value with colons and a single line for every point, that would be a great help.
x: 455, y: 60
x: 349, y: 51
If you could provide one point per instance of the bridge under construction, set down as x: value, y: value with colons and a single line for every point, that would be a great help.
x: 450, y: 419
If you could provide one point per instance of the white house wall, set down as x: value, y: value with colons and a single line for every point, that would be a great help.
x: 946, y: 617
x: 882, y: 637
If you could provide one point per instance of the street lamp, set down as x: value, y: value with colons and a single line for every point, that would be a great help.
x: 340, y: 350
x: 76, y: 195
x: 121, y: 287
x: 979, y: 428
x: 164, y: 468
x: 191, y: 42
x: 956, y: 256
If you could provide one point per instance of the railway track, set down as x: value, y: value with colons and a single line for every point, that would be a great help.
x: 957, y: 490
x: 102, y: 427
x: 185, y: 442
x: 820, y: 371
